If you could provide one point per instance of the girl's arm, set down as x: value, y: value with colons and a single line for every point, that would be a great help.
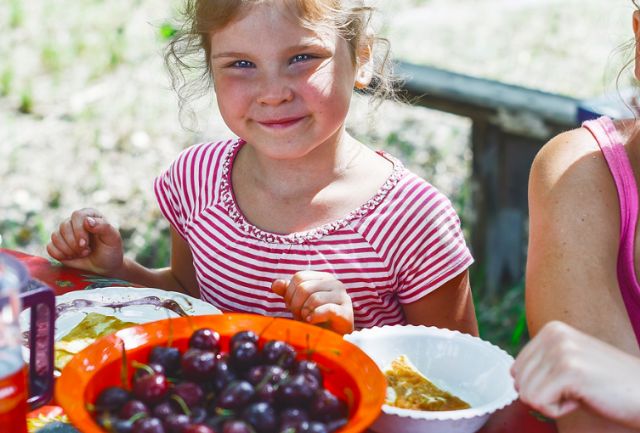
x: 86, y: 240
x: 449, y: 306
x: 179, y: 277
x: 573, y: 246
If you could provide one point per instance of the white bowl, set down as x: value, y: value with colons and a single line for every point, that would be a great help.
x: 466, y: 366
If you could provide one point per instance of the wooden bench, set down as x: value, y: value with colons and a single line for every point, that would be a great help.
x: 509, y: 125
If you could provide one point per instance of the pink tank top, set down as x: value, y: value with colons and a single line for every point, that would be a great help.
x: 612, y: 146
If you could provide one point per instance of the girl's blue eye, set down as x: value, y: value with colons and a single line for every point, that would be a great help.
x: 300, y: 58
x: 243, y: 64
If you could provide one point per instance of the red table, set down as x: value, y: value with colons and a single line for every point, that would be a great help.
x: 516, y: 418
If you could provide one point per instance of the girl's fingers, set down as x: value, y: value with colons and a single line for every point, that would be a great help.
x: 324, y: 313
x: 338, y: 317
x: 316, y: 292
x: 61, y: 245
x: 55, y: 252
x: 68, y: 234
x: 317, y: 299
x: 106, y: 233
x: 302, y: 276
x: 279, y: 287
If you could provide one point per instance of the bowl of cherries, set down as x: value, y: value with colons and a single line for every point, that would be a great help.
x: 230, y: 373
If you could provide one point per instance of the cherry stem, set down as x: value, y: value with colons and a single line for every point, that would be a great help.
x: 182, y: 404
x: 124, y: 369
x: 137, y: 416
x: 145, y: 367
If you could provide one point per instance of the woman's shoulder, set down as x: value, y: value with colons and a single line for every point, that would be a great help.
x: 568, y: 165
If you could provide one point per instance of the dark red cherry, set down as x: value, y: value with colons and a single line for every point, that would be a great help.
x: 243, y: 336
x: 306, y: 366
x: 148, y: 425
x: 244, y: 355
x: 326, y: 407
x: 279, y: 353
x: 163, y: 410
x: 151, y: 389
x: 262, y: 416
x: 266, y: 373
x: 191, y: 393
x: 112, y: 399
x: 151, y: 368
x: 223, y: 374
x: 198, y: 428
x: 237, y: 426
x: 298, y: 390
x: 168, y: 357
x: 312, y: 427
x: 236, y: 395
x: 198, y: 364
x: 205, y: 339
x: 176, y: 423
x: 131, y: 408
x: 291, y: 418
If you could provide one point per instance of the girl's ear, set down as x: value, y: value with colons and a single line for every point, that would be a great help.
x: 364, y: 72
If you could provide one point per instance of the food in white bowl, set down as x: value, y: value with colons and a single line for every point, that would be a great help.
x: 468, y: 367
x: 407, y: 388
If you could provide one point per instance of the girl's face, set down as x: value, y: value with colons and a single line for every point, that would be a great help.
x: 283, y: 88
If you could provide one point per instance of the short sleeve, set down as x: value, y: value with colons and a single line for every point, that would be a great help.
x: 433, y: 248
x: 169, y: 191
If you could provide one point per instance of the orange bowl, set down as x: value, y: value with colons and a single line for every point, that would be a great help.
x: 349, y: 373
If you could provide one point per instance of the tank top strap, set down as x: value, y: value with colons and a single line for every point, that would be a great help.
x: 612, y: 146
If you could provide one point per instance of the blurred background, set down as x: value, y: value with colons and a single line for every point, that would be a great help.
x: 87, y: 116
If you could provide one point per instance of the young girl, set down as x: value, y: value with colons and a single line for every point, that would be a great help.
x: 295, y: 218
x: 582, y: 270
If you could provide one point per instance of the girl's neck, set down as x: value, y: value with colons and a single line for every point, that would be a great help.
x: 288, y: 178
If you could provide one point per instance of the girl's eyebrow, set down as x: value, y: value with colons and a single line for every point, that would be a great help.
x: 228, y: 54
x: 312, y: 44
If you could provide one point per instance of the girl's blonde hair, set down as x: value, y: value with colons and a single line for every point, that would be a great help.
x: 187, y: 54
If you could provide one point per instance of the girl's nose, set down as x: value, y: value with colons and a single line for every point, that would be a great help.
x: 274, y: 91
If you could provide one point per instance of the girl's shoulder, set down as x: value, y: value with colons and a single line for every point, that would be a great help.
x: 217, y: 149
x: 202, y: 160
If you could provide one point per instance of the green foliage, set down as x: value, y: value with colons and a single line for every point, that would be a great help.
x: 117, y: 44
x: 26, y: 102
x: 16, y: 14
x: 6, y: 80
x: 18, y: 234
x: 50, y: 58
x: 156, y: 249
x: 167, y: 31
x: 501, y: 320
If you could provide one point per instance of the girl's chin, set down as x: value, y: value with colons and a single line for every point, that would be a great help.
x: 282, y: 151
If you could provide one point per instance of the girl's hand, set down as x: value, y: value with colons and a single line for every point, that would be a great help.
x: 87, y: 241
x: 317, y: 297
x: 563, y: 368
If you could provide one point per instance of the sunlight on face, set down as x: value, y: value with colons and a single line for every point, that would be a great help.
x: 275, y: 78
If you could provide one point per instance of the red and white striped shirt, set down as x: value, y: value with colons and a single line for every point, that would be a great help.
x: 401, y: 245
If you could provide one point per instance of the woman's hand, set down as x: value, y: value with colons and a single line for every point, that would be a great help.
x: 87, y: 241
x: 317, y: 297
x: 563, y: 368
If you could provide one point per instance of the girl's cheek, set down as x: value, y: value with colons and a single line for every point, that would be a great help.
x: 322, y: 83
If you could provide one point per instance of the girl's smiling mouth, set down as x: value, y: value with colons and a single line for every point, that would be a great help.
x: 281, y: 123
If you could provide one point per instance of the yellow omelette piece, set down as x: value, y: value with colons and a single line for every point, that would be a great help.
x: 92, y: 327
x: 409, y: 389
